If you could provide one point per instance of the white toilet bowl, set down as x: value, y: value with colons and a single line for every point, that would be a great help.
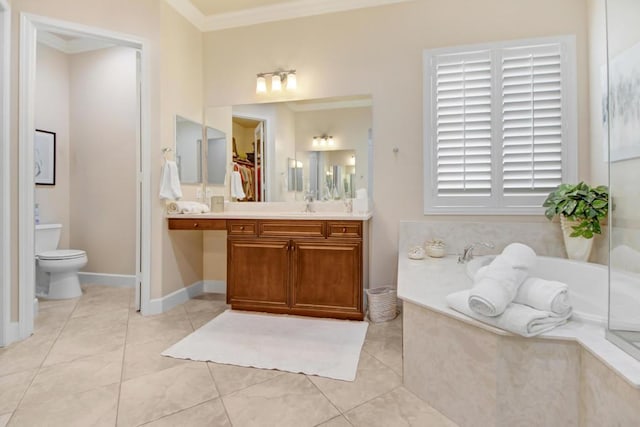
x: 62, y: 266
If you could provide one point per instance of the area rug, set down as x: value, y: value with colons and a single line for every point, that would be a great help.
x: 324, y: 347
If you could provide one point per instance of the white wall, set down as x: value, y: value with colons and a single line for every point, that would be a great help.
x: 378, y: 51
x: 52, y: 114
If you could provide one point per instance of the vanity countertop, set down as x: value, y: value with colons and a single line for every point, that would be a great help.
x: 255, y: 214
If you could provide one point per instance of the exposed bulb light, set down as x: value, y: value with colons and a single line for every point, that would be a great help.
x: 330, y: 141
x: 323, y: 141
x: 261, y: 84
x: 315, y: 141
x: 276, y: 83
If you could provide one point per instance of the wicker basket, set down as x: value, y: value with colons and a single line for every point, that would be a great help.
x: 382, y: 304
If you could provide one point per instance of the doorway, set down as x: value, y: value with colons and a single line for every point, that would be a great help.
x: 33, y: 27
x: 248, y: 159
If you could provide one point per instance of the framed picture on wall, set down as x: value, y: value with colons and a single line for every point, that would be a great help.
x: 44, y: 148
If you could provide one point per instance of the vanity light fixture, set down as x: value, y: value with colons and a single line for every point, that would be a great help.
x: 278, y: 80
x: 323, y: 141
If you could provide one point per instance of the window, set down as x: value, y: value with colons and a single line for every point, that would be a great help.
x: 500, y: 125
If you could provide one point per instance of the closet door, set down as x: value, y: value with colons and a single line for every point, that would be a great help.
x: 258, y: 143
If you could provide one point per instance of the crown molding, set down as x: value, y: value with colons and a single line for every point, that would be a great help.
x: 71, y: 47
x: 278, y: 12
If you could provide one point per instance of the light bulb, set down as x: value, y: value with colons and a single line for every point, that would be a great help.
x: 315, y: 141
x: 331, y: 140
x: 292, y: 82
x: 276, y: 83
x: 261, y: 84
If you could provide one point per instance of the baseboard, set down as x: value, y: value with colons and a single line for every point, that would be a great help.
x: 167, y: 302
x: 13, y: 333
x: 115, y: 280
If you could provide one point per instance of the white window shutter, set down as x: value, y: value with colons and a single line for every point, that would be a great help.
x: 532, y: 125
x: 463, y: 87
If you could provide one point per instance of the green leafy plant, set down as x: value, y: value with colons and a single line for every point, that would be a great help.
x: 581, y: 203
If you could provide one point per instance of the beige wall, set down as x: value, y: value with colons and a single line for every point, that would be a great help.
x: 52, y: 114
x: 378, y: 51
x: 103, y: 123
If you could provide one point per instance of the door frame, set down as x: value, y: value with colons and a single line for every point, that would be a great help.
x: 264, y: 160
x: 29, y: 26
x: 5, y: 176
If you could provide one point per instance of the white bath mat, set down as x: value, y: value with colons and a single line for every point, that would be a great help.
x: 324, y: 347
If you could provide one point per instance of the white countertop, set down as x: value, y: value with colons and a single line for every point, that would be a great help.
x: 427, y: 282
x: 338, y: 216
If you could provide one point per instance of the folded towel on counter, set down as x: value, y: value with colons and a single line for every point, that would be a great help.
x: 517, y: 318
x: 170, y: 181
x: 183, y: 207
x: 496, y: 285
x: 545, y: 295
x: 236, y: 186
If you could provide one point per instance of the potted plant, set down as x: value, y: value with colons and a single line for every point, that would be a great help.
x: 581, y: 209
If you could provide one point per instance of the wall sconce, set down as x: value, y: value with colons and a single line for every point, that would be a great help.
x: 323, y: 141
x: 278, y: 79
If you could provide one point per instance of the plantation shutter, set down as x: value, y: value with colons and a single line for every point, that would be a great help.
x: 462, y: 124
x: 532, y: 130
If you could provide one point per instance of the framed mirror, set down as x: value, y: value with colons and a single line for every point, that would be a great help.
x: 188, y: 139
x: 216, y: 156
x: 269, y: 144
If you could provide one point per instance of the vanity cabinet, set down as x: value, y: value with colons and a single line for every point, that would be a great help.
x: 302, y: 267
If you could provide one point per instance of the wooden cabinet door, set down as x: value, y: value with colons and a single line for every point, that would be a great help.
x: 327, y: 278
x: 258, y: 274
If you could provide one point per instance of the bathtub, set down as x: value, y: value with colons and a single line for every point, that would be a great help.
x: 588, y: 289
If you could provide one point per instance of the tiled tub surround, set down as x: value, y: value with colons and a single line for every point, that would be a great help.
x: 479, y: 375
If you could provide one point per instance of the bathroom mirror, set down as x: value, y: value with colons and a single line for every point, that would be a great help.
x: 263, y: 140
x: 623, y: 119
x: 216, y: 156
x: 188, y: 150
x: 329, y: 174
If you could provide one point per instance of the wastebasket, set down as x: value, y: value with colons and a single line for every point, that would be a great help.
x: 382, y: 304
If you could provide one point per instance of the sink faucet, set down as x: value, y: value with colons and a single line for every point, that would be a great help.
x: 308, y: 198
x: 467, y: 252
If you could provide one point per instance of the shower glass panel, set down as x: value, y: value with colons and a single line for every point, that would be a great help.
x: 623, y: 119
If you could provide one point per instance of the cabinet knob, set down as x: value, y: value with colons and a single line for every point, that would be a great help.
x: 242, y: 228
x: 195, y: 225
x: 344, y: 229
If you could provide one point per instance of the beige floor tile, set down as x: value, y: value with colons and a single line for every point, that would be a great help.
x: 287, y: 400
x: 336, y: 422
x: 201, y: 318
x: 95, y: 407
x: 144, y: 358
x: 206, y: 302
x: 397, y: 408
x: 230, y: 378
x: 384, y: 342
x: 12, y: 388
x: 25, y: 355
x: 4, y: 419
x: 211, y: 413
x: 73, y: 345
x: 165, y: 392
x: 101, y: 299
x: 372, y: 379
x: 173, y: 325
x: 75, y: 377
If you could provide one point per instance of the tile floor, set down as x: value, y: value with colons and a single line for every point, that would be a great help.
x: 95, y: 361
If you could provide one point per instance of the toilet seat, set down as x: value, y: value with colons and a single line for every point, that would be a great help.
x: 61, y: 254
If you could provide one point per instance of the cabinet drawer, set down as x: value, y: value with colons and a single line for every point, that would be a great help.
x: 197, y: 224
x: 241, y: 228
x: 344, y: 229
x: 292, y: 228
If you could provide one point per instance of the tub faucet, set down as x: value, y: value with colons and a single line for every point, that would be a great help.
x: 467, y: 252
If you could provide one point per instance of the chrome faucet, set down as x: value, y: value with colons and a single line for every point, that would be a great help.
x: 308, y: 198
x: 467, y: 252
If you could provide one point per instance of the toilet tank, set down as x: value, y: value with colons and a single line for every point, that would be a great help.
x: 47, y: 237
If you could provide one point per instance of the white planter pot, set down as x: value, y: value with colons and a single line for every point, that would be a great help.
x: 577, y: 248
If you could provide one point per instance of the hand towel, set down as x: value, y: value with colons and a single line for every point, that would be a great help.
x: 185, y: 207
x: 170, y: 182
x: 236, y: 186
x: 545, y: 295
x: 517, y: 318
x: 496, y: 285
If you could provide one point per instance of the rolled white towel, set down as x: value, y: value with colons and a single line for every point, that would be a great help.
x: 496, y: 285
x: 545, y: 295
x: 186, y: 207
x: 517, y: 318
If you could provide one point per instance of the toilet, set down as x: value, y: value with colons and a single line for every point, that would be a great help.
x: 56, y: 269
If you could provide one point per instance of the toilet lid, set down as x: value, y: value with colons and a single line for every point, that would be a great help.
x: 62, y: 254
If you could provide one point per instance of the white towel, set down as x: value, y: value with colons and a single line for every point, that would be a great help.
x: 496, y: 285
x: 184, y: 207
x: 545, y: 295
x: 170, y: 182
x: 236, y: 186
x: 517, y: 318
